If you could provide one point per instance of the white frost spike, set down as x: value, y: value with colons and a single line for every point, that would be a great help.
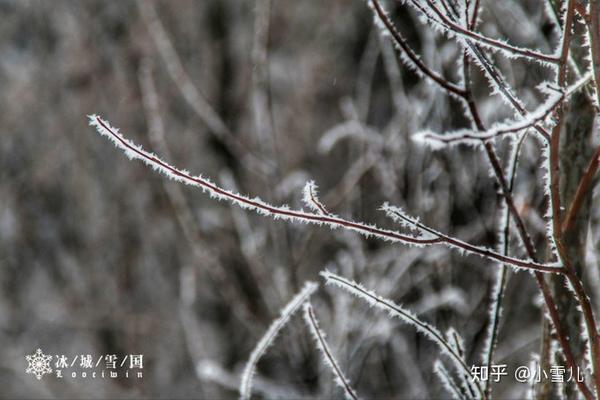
x: 270, y: 335
x: 311, y: 200
x: 319, y: 336
x: 396, y: 310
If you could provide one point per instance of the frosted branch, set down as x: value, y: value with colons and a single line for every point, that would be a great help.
x: 452, y: 29
x: 407, y: 54
x: 270, y: 335
x: 311, y: 200
x: 285, y: 213
x: 470, y: 136
x: 396, y: 214
x: 395, y: 310
x: 447, y: 381
x: 319, y: 336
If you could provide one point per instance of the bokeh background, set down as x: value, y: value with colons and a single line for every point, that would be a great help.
x: 101, y: 255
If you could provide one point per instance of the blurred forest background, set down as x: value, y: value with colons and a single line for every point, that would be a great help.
x: 99, y: 255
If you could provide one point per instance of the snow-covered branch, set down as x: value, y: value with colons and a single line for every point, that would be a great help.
x: 530, y: 120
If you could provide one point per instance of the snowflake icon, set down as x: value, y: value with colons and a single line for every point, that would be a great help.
x: 38, y: 364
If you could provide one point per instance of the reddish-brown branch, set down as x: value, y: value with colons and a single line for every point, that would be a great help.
x: 414, y: 58
x: 525, y: 238
x: 560, y: 334
x: 311, y: 217
x: 475, y: 15
x: 585, y: 185
x: 594, y: 27
x: 486, y: 41
x: 556, y: 131
x: 571, y: 275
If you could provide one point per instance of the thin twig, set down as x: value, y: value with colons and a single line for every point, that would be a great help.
x: 319, y: 336
x: 269, y: 336
x: 415, y: 59
x: 261, y: 207
x: 490, y: 43
x: 398, y: 311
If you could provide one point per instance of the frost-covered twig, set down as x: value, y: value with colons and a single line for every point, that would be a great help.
x: 311, y: 200
x: 497, y: 295
x: 319, y: 336
x: 398, y: 215
x: 283, y: 212
x: 396, y: 310
x: 410, y: 57
x: 452, y: 28
x: 469, y: 136
x: 447, y: 381
x: 270, y: 335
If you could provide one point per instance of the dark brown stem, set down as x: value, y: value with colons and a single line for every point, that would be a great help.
x: 401, y: 42
x: 583, y: 189
x: 594, y: 26
x: 526, y: 239
x: 555, y: 141
x: 560, y: 334
x: 492, y: 43
x: 475, y: 15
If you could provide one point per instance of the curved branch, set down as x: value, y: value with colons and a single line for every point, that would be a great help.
x: 493, y: 44
x: 403, y: 46
x: 283, y: 212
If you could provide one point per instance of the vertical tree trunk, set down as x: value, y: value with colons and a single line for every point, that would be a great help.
x: 575, y: 152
